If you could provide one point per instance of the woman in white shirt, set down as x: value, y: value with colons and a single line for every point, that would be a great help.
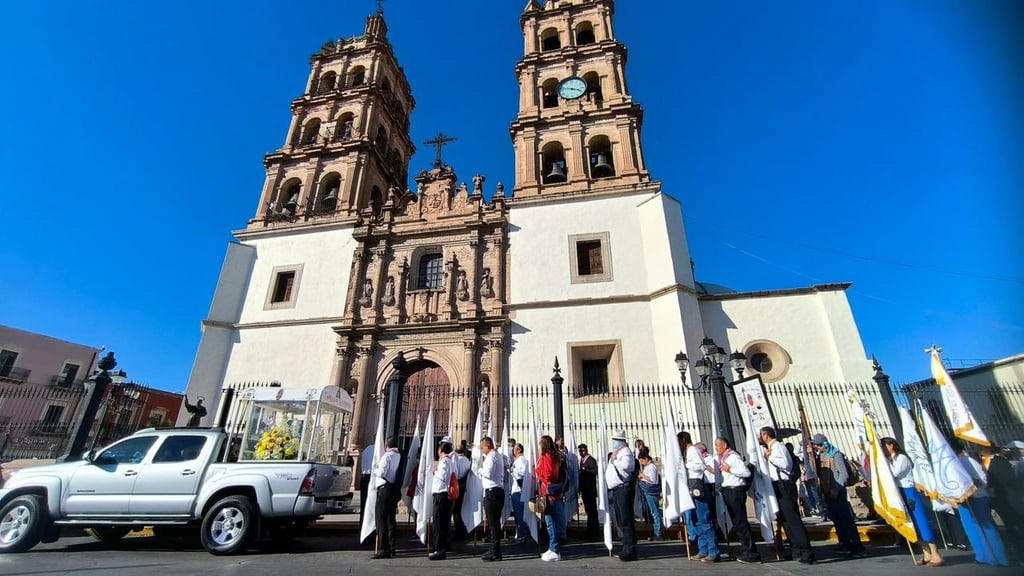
x: 650, y: 487
x: 903, y: 472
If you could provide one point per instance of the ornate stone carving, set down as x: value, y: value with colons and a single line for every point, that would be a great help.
x: 478, y: 184
x: 389, y: 292
x: 486, y: 284
x: 367, y: 298
x: 462, y: 286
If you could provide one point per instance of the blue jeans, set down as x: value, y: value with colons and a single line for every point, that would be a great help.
x: 522, y: 531
x: 554, y: 518
x: 699, y: 523
x: 652, y: 505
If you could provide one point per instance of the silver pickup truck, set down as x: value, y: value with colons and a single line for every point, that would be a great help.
x: 163, y: 478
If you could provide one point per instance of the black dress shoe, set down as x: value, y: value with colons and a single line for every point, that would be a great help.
x: 437, y: 556
x: 630, y: 558
x: 806, y: 560
x: 490, y: 558
x: 381, y: 554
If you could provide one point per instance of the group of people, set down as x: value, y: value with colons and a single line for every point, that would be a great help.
x: 819, y: 478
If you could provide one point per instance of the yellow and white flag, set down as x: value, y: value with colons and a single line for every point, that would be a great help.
x: 965, y: 427
x: 884, y: 491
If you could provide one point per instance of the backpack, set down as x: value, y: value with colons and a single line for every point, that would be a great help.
x: 557, y: 488
x: 453, y: 487
x: 852, y: 478
x: 749, y: 480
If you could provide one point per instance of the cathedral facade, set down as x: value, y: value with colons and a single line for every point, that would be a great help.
x: 585, y: 258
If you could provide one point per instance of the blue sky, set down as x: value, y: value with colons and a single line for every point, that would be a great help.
x: 879, y: 143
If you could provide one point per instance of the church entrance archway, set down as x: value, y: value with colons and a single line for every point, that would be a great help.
x: 425, y: 380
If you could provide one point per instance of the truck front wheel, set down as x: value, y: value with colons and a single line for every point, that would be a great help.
x: 21, y: 524
x: 229, y: 525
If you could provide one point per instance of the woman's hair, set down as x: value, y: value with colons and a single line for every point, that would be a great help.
x: 896, y: 448
x: 684, y: 438
x: 644, y: 454
x: 547, y: 445
x: 518, y: 448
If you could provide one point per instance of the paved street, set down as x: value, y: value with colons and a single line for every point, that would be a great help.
x: 342, y: 555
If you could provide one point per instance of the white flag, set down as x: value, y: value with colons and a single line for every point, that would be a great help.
x: 924, y: 476
x: 370, y: 517
x: 766, y: 505
x: 965, y: 427
x: 473, y: 503
x: 507, y: 456
x: 953, y: 483
x: 410, y: 457
x: 603, y: 505
x: 423, y: 501
x: 572, y: 501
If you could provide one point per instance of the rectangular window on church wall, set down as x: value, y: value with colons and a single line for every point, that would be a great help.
x: 431, y: 272
x: 590, y: 258
x: 284, y: 287
x: 595, y: 376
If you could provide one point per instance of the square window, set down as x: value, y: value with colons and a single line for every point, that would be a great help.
x: 595, y: 371
x: 590, y: 258
x: 68, y: 374
x: 431, y: 272
x: 284, y: 287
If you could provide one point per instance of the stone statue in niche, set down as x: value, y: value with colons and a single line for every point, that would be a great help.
x: 478, y: 184
x: 367, y: 298
x: 389, y: 292
x: 462, y: 286
x: 486, y: 284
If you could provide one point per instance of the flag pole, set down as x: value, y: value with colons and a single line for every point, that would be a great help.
x: 686, y: 532
x: 913, y: 557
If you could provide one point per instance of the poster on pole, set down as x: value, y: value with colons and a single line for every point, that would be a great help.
x: 754, y: 409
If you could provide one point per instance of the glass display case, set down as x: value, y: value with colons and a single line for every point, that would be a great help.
x: 293, y: 424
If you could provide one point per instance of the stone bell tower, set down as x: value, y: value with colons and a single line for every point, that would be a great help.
x: 578, y: 129
x: 348, y: 143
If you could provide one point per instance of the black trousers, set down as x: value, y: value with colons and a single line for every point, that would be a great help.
x: 442, y: 522
x: 494, y: 502
x: 590, y: 507
x: 364, y: 487
x: 789, y: 506
x: 735, y: 499
x: 387, y: 507
x: 622, y: 503
x: 459, y: 532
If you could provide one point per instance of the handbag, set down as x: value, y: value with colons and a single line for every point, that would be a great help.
x: 650, y: 488
x: 453, y: 487
x: 696, y: 486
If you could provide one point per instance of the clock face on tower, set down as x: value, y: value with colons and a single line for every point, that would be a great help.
x: 572, y: 88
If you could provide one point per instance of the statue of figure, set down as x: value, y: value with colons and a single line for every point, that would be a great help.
x: 478, y: 184
x: 197, y: 411
x: 462, y: 286
x: 486, y: 282
x: 463, y: 189
x: 389, y: 292
x: 367, y: 298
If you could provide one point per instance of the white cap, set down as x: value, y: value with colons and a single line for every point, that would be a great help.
x: 619, y: 435
x: 447, y: 440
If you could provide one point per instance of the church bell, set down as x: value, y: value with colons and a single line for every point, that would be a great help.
x: 601, y: 166
x: 556, y: 174
x: 293, y: 202
x: 331, y: 198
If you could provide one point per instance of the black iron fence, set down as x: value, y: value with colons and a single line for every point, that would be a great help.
x: 37, y: 421
x: 998, y: 407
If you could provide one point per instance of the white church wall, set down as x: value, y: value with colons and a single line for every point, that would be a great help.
x: 539, y: 244
x: 816, y: 329
x: 664, y: 242
x: 325, y: 258
x: 296, y: 356
x: 217, y: 331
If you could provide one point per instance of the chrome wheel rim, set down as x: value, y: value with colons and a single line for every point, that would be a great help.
x: 15, y: 524
x: 228, y: 526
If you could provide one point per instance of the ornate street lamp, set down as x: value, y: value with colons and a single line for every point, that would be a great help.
x: 709, y: 368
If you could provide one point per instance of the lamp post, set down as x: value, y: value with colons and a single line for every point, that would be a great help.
x: 709, y: 368
x: 556, y: 391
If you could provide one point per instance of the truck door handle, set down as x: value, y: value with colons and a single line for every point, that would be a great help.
x: 131, y: 473
x: 187, y: 472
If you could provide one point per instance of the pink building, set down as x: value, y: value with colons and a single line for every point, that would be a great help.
x: 41, y: 386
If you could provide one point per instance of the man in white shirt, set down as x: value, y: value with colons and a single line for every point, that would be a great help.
x: 518, y: 471
x: 699, y: 521
x: 462, y: 465
x: 780, y: 465
x: 442, y: 505
x: 620, y: 476
x: 385, y: 481
x: 366, y: 469
x: 735, y: 482
x: 492, y: 477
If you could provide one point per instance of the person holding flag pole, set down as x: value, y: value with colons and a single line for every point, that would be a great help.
x: 903, y: 472
x: 423, y: 500
x: 369, y: 522
x: 603, y: 504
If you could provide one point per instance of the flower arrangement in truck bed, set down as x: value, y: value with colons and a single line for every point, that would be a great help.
x: 278, y: 443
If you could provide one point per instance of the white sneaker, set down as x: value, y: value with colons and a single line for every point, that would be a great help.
x: 550, y: 556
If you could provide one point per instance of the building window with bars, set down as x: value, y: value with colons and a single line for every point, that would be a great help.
x: 431, y: 272
x: 7, y: 360
x: 595, y: 377
x: 284, y: 287
x: 590, y: 258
